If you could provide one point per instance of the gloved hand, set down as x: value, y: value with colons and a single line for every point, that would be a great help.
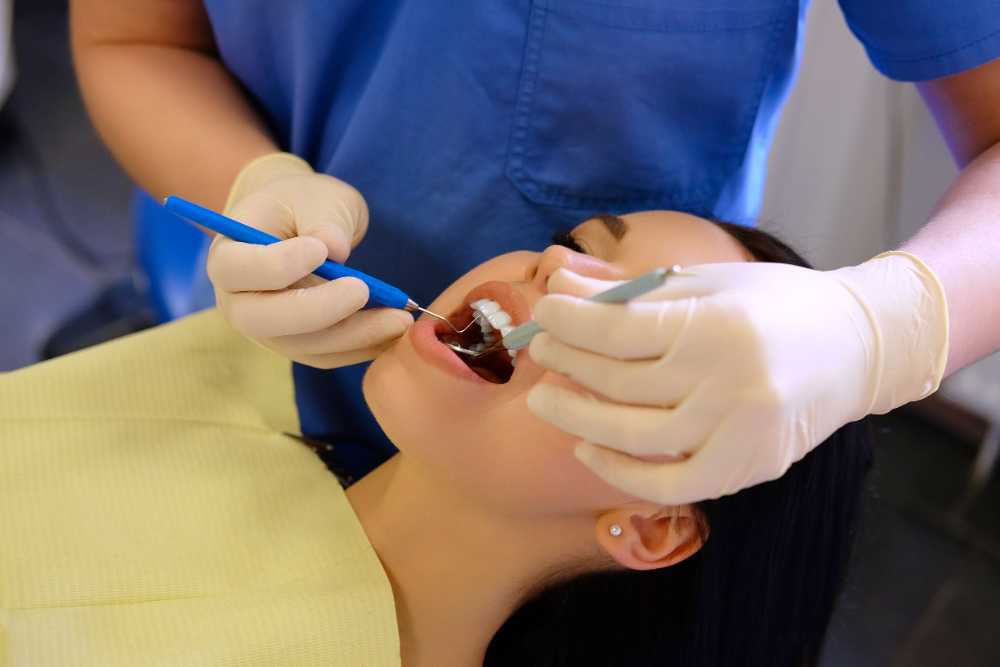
x: 730, y: 375
x: 267, y: 292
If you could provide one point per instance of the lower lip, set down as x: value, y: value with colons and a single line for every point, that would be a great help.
x: 438, y: 354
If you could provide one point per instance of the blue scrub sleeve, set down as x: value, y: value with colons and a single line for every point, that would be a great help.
x: 917, y: 40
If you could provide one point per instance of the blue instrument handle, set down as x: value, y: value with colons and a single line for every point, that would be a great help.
x: 379, y: 292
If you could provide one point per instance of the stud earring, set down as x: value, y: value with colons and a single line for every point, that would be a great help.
x: 615, y: 530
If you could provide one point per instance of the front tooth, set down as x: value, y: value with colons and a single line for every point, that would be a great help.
x: 486, y: 306
x: 504, y: 330
x: 499, y: 319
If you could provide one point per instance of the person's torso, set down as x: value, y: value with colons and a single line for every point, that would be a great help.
x: 477, y: 128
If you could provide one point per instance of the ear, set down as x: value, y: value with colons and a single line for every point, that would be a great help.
x: 651, y: 536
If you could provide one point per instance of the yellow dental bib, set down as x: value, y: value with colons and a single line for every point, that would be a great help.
x: 153, y: 512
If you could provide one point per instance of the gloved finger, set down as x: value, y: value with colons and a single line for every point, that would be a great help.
x: 726, y: 462
x: 288, y: 218
x: 294, y: 311
x: 241, y: 267
x: 622, y: 331
x: 663, y: 483
x: 363, y: 329
x: 564, y: 281
x: 646, y: 382
x: 264, y: 212
x: 637, y: 430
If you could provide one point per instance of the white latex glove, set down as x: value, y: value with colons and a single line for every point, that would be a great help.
x: 736, y: 372
x: 267, y: 292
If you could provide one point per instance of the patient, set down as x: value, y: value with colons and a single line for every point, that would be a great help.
x: 160, y: 510
x: 497, y: 540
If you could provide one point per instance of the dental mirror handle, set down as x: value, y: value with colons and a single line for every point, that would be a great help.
x: 379, y: 292
x: 522, y: 335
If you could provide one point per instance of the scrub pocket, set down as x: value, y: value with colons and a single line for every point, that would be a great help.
x: 626, y: 104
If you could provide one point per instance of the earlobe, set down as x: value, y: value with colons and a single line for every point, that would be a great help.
x: 649, y: 537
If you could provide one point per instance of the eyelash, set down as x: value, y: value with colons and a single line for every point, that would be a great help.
x: 566, y: 240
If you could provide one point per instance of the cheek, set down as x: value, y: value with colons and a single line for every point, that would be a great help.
x: 539, y: 459
x: 413, y: 403
x: 525, y: 466
x: 503, y: 457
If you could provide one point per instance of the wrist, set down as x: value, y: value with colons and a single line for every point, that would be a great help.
x: 263, y: 170
x: 905, y: 303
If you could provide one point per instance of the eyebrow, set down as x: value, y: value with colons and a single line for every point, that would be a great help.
x: 615, y: 225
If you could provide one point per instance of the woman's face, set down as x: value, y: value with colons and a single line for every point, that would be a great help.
x: 477, y: 436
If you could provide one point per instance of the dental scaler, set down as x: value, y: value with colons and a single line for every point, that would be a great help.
x: 379, y: 292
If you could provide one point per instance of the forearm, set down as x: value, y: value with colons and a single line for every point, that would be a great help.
x: 961, y: 242
x: 169, y: 111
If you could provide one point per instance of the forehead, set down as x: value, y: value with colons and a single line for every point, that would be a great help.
x: 662, y: 238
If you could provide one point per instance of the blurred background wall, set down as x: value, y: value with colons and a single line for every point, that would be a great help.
x: 66, y: 232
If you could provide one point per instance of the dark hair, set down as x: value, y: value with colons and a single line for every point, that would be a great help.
x: 759, y: 592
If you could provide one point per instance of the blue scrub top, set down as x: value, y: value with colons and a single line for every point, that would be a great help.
x: 477, y: 128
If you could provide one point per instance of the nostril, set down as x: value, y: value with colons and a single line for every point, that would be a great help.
x: 553, y: 259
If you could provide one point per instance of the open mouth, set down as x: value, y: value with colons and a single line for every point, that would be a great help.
x: 496, y: 310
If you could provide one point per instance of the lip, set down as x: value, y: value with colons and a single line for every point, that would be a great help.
x: 433, y: 351
x: 423, y: 333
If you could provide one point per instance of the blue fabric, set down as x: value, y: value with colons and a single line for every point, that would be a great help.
x: 476, y: 128
x: 172, y: 254
x: 917, y: 40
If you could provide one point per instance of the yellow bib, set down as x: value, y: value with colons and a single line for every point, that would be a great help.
x: 154, y: 512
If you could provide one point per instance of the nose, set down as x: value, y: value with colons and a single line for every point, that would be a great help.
x: 558, y: 257
x: 554, y: 258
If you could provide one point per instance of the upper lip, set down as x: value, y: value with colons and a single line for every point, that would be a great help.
x: 509, y: 299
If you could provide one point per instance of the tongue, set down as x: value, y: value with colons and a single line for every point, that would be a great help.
x: 495, y: 367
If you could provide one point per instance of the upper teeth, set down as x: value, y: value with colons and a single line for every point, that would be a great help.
x: 493, y: 318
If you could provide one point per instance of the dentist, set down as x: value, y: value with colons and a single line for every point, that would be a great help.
x: 445, y: 133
